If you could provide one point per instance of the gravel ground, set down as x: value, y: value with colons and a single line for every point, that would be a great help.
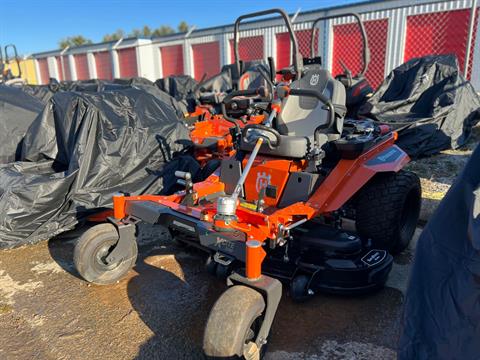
x: 437, y: 173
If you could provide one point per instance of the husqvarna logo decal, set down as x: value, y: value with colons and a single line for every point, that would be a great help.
x: 314, y: 79
x: 263, y: 180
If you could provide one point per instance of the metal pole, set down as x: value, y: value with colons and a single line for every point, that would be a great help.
x: 294, y: 17
x: 473, y: 13
x: 188, y: 65
x: 251, y: 159
x: 119, y: 41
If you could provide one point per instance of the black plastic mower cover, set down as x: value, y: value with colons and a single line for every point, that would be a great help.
x: 45, y: 92
x: 181, y: 88
x: 41, y: 92
x: 80, y: 150
x: 221, y: 82
x: 17, y: 112
x: 441, y: 318
x: 178, y: 86
x: 429, y: 102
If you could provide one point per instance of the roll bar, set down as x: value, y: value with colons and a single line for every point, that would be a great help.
x: 15, y: 53
x: 297, y: 62
x: 366, y: 49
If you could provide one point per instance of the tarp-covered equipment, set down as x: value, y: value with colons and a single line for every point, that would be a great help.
x: 429, y: 102
x: 80, y: 150
x: 17, y: 112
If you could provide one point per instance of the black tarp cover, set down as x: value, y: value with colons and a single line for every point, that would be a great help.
x: 221, y: 82
x: 45, y: 92
x: 429, y: 102
x: 441, y: 317
x: 188, y: 92
x: 80, y: 150
x: 17, y: 112
x: 41, y: 92
x: 177, y: 86
x: 181, y: 88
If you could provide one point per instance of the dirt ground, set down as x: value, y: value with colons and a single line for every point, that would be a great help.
x: 160, y: 309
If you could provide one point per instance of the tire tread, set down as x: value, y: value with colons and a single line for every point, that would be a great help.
x: 379, y: 205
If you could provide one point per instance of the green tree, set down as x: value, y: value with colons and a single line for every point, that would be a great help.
x: 74, y: 41
x: 135, y: 33
x: 163, y: 30
x: 183, y: 27
x: 146, y: 31
x: 117, y: 35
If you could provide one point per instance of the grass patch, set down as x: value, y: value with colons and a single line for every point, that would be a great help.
x: 5, y: 308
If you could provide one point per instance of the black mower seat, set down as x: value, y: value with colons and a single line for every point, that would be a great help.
x: 294, y: 147
x: 301, y: 115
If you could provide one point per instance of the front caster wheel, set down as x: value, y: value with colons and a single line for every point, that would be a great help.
x: 233, y: 325
x: 91, y: 251
x: 299, y: 291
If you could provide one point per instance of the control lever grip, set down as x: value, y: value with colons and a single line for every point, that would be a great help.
x: 183, y: 175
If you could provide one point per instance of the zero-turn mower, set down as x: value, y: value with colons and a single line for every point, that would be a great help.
x: 215, y: 136
x: 310, y: 201
x: 219, y: 117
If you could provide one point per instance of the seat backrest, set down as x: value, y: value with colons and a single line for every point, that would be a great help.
x: 251, y: 78
x: 301, y: 115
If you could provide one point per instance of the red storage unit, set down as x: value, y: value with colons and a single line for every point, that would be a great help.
x: 172, y: 60
x: 127, y: 59
x: 81, y: 65
x: 61, y: 77
x: 43, y: 67
x: 283, y: 56
x: 103, y: 63
x: 442, y: 32
x: 249, y: 48
x: 347, y: 47
x: 66, y: 68
x: 206, y: 59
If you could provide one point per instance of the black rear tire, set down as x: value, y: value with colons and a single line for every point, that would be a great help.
x: 233, y: 323
x: 91, y: 250
x: 388, y: 208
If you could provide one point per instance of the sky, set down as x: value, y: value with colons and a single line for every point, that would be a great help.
x: 38, y: 25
